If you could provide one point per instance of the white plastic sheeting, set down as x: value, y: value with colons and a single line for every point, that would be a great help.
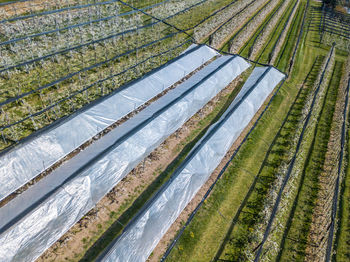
x: 45, y: 224
x: 141, y: 237
x: 25, y: 162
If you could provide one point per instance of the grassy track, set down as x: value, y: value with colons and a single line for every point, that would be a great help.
x: 210, y: 222
x: 223, y: 227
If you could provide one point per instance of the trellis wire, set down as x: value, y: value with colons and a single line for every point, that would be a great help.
x: 31, y: 8
x: 13, y: 2
x: 97, y: 41
x: 103, y: 62
x: 112, y: 146
x: 227, y: 21
x: 295, y: 23
x: 106, y: 61
x: 257, y: 176
x: 78, y: 47
x: 330, y: 21
x: 9, y: 126
x: 102, y: 39
x: 53, y: 105
x: 246, y: 24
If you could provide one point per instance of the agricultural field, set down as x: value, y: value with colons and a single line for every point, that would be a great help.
x: 174, y: 130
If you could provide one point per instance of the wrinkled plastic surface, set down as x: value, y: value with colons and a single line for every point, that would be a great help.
x: 142, y: 236
x: 38, y: 230
x: 25, y: 162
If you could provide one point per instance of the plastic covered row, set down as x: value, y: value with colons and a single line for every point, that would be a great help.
x: 38, y: 229
x: 25, y: 162
x: 142, y: 235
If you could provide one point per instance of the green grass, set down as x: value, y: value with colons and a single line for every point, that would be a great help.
x: 26, y: 81
x: 209, y: 225
x: 23, y: 81
x: 295, y: 239
x: 203, y: 237
x: 251, y: 214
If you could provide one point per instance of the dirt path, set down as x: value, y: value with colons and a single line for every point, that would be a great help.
x: 79, y: 238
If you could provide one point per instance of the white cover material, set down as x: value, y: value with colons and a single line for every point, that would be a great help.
x: 142, y: 236
x: 25, y: 162
x: 39, y: 229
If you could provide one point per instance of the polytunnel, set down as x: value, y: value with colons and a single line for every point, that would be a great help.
x: 142, y: 235
x: 28, y: 160
x: 38, y: 217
